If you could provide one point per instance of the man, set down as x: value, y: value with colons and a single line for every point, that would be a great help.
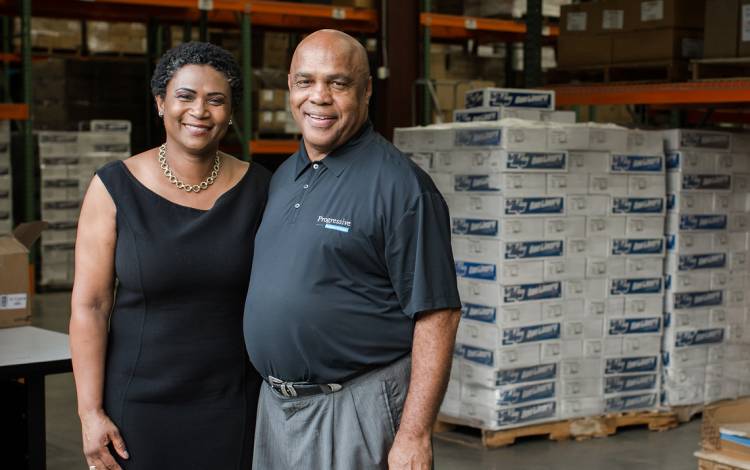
x: 352, y: 309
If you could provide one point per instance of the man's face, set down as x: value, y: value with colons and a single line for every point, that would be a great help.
x: 328, y: 93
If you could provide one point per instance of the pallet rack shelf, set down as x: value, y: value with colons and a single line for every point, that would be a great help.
x: 464, y: 27
x: 703, y: 92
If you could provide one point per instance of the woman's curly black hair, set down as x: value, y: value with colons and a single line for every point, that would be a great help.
x: 197, y: 53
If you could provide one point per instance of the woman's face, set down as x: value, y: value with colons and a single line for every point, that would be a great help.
x: 197, y: 107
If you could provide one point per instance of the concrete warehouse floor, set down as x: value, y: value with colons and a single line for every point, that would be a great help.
x: 628, y: 450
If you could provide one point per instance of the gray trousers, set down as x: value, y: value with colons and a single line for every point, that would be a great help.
x: 350, y: 429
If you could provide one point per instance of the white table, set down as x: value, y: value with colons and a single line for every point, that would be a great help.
x: 32, y: 353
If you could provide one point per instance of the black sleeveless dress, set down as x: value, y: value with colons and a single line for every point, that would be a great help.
x: 178, y: 382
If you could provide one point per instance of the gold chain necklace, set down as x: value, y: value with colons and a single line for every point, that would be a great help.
x: 191, y: 188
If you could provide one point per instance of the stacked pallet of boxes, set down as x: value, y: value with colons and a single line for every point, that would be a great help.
x: 6, y: 187
x: 705, y: 343
x: 68, y: 161
x: 274, y: 114
x: 558, y: 241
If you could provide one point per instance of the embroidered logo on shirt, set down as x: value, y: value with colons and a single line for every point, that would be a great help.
x: 340, y: 225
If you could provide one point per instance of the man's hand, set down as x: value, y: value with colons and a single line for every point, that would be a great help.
x: 410, y: 453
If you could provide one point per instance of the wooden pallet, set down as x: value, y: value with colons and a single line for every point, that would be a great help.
x: 466, y: 433
x: 687, y: 413
x: 713, y: 69
x: 671, y: 71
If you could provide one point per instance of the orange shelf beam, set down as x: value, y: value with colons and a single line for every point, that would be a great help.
x: 14, y: 111
x: 713, y: 92
x: 454, y: 27
x: 270, y: 146
x: 267, y: 7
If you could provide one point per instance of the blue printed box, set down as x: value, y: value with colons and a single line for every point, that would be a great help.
x: 523, y: 206
x: 530, y: 334
x: 702, y: 337
x: 477, y: 183
x: 526, y: 414
x: 645, y: 286
x: 473, y: 270
x: 634, y: 326
x: 510, y: 98
x: 685, y: 300
x: 527, y: 374
x: 706, y: 182
x: 491, y: 114
x: 636, y: 164
x: 705, y: 261
x: 702, y: 222
x: 637, y: 246
x: 480, y: 313
x: 534, y: 249
x: 631, y: 365
x: 475, y: 227
x: 477, y: 355
x: 630, y: 403
x: 527, y: 393
x: 630, y: 383
x: 638, y: 205
x: 536, y: 161
x: 531, y: 292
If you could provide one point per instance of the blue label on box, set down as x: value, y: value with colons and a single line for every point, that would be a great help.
x: 478, y: 355
x: 529, y: 292
x: 671, y: 241
x: 637, y: 205
x: 534, y: 205
x: 526, y: 374
x: 526, y: 394
x: 706, y: 182
x: 710, y: 298
x: 707, y: 261
x: 698, y: 337
x: 474, y: 99
x: 703, y: 222
x: 533, y: 249
x: 637, y: 163
x: 634, y: 326
x: 479, y: 227
x: 468, y: 183
x: 472, y: 116
x: 698, y: 139
x: 637, y: 246
x: 521, y: 99
x: 526, y: 413
x: 479, y: 313
x: 630, y: 383
x: 635, y: 286
x: 671, y: 201
x: 629, y: 403
x: 478, y: 137
x: 629, y: 365
x: 673, y: 160
x: 536, y: 161
x: 530, y: 334
x: 472, y: 270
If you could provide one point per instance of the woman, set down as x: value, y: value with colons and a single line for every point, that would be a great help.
x: 162, y: 377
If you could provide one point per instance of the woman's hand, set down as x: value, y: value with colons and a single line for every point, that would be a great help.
x: 98, y: 432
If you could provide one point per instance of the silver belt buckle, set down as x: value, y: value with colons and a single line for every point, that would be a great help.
x: 285, y: 388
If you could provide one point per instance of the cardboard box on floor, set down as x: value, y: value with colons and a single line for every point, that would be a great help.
x: 15, y: 285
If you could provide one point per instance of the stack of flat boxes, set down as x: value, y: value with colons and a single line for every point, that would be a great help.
x: 706, y: 353
x: 6, y: 186
x: 559, y: 268
x: 68, y: 161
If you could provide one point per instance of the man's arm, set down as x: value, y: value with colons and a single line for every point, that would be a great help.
x: 432, y: 353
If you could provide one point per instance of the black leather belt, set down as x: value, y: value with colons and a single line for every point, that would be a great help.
x: 301, y: 389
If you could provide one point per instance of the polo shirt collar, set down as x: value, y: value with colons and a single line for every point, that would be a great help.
x: 341, y: 157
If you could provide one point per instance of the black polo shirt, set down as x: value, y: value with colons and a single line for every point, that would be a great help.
x: 350, y: 250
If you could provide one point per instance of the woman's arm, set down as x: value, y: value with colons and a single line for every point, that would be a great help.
x: 91, y: 303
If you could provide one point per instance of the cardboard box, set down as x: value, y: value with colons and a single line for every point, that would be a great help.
x: 744, y: 33
x: 276, y: 54
x: 577, y: 19
x: 652, y: 14
x: 581, y: 50
x: 722, y: 29
x: 612, y: 17
x: 15, y: 286
x: 719, y: 414
x: 273, y: 99
x: 664, y: 44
